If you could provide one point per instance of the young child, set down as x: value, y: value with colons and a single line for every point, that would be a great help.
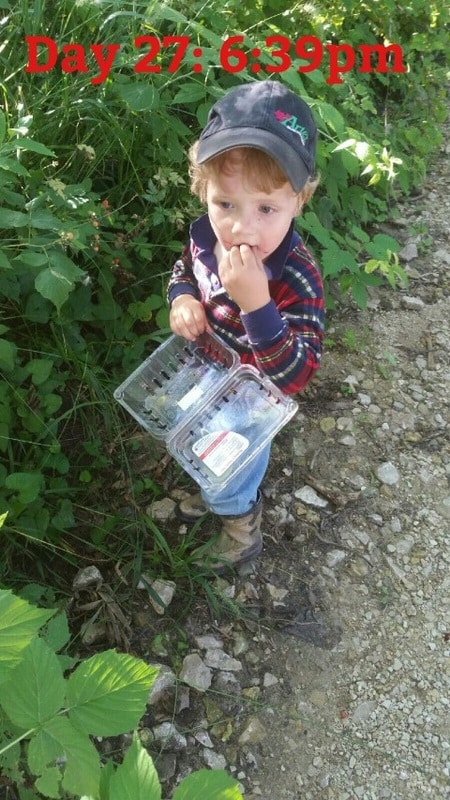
x: 246, y: 274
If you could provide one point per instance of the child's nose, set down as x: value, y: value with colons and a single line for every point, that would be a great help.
x: 244, y: 228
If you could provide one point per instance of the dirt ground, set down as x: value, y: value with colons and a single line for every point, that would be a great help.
x: 361, y: 710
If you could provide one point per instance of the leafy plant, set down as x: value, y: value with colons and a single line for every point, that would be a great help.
x: 47, y: 721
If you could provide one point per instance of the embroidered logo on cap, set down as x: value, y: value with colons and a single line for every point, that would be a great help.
x: 290, y: 121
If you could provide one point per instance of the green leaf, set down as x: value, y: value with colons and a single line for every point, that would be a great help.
x: 54, y: 286
x: 19, y: 623
x: 312, y: 223
x: 57, y: 632
x: 48, y: 783
x: 13, y: 219
x: 8, y: 352
x: 344, y: 145
x: 61, y: 464
x: 4, y: 436
x: 35, y: 147
x: 136, y: 778
x: 381, y: 244
x: 27, y: 794
x: 331, y: 116
x: 2, y: 126
x: 334, y: 260
x: 35, y: 523
x: 35, y: 691
x: 139, y: 96
x: 26, y: 484
x: 74, y: 755
x: 32, y: 258
x: 144, y: 310
x: 64, y: 517
x: 190, y: 92
x: 9, y: 758
x: 57, y: 282
x: 12, y: 165
x: 107, y: 693
x: 207, y: 783
x: 42, y: 219
x: 315, y: 76
x: 105, y: 779
x: 359, y: 293
x: 167, y: 13
x: 39, y: 369
x: 293, y: 79
x: 66, y: 265
x: 51, y: 403
x: 359, y: 234
x: 214, y: 39
x: 37, y: 309
x: 4, y: 261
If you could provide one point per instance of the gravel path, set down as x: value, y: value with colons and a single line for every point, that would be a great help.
x: 370, y: 718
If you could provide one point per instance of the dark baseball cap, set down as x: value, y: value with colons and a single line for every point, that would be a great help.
x: 265, y: 115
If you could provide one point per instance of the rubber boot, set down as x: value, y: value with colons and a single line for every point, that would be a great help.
x: 192, y: 508
x: 240, y: 540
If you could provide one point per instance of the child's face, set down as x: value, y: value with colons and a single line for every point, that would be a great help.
x: 239, y: 215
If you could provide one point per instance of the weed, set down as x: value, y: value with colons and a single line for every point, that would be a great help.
x: 347, y: 389
x: 384, y: 366
x: 350, y: 339
x: 58, y: 717
x: 386, y: 595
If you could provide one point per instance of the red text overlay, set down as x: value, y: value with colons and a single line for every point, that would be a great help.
x: 279, y: 54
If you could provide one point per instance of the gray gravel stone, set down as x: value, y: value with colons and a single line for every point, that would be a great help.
x: 87, y: 578
x: 387, y: 473
x: 164, y: 680
x: 364, y: 710
x: 169, y: 737
x: 309, y: 496
x: 409, y: 252
x: 218, y: 659
x: 214, y: 760
x: 195, y: 673
x: 162, y: 510
x: 415, y: 303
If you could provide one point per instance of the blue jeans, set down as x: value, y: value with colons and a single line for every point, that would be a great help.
x: 242, y: 491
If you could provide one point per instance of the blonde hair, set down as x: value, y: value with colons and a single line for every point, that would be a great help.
x: 260, y: 172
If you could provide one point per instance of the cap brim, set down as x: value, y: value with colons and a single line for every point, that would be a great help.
x: 293, y: 166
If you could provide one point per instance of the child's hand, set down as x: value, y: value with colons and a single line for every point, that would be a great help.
x: 242, y: 275
x: 187, y: 317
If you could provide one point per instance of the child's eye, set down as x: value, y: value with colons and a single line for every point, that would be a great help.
x: 266, y: 209
x: 225, y: 204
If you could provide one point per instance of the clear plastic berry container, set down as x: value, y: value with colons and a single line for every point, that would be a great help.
x: 174, y: 380
x: 214, y: 414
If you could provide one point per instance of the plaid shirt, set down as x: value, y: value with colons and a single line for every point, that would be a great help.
x: 284, y: 338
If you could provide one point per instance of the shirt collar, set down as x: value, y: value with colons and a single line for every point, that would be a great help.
x: 204, y: 240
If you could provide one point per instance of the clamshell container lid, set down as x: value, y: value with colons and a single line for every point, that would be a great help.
x: 225, y: 434
x: 173, y: 380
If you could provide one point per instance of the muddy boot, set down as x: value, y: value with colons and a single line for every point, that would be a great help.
x: 192, y: 508
x: 239, y: 541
